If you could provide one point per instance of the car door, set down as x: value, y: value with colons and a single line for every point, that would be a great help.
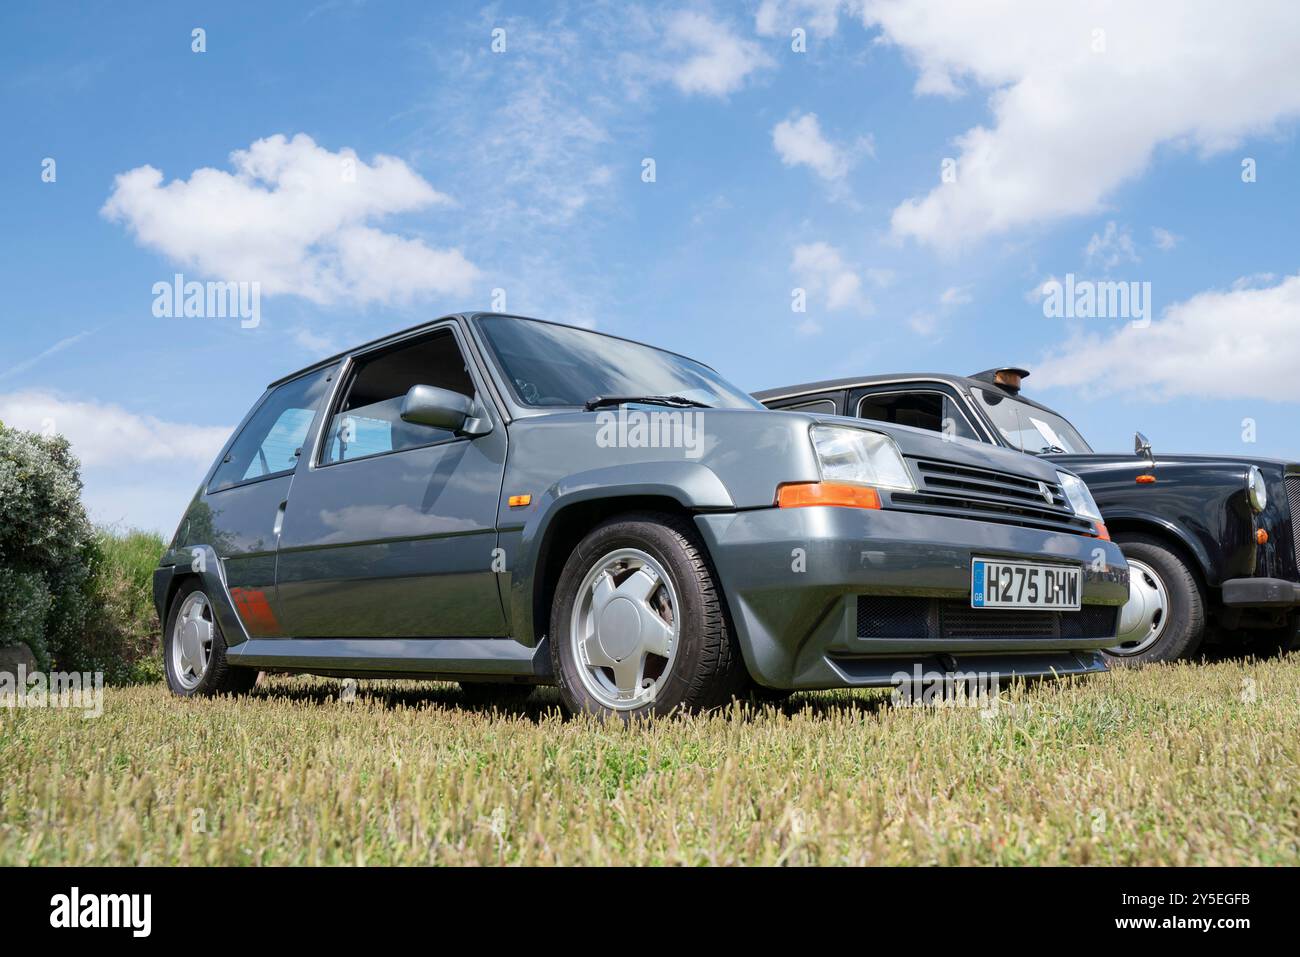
x: 391, y: 527
x: 238, y: 515
x: 935, y: 406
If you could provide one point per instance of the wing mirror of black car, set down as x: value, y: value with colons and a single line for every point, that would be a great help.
x: 443, y: 409
x: 1142, y: 446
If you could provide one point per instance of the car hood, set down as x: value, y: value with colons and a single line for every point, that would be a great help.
x: 1102, y: 461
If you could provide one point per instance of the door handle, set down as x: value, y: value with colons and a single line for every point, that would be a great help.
x: 279, y: 518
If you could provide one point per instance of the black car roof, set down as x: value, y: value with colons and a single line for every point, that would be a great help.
x: 413, y: 330
x: 853, y: 382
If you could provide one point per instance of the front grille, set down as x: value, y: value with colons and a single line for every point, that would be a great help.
x: 1293, y: 499
x: 953, y: 619
x: 966, y: 492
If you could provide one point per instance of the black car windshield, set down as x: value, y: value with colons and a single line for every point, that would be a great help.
x: 1027, y: 427
x: 551, y: 365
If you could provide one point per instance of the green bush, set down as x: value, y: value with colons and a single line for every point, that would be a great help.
x: 44, y: 537
x: 121, y: 632
x: 81, y: 599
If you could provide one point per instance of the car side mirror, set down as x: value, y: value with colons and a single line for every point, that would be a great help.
x: 1142, y: 446
x: 442, y: 409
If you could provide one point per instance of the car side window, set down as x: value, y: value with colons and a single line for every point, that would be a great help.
x: 269, y: 442
x: 923, y: 410
x: 816, y: 405
x: 368, y: 419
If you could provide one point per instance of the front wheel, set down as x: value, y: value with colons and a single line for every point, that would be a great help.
x: 1164, y: 619
x: 638, y: 625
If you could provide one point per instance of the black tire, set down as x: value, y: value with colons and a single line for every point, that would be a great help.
x: 707, y: 669
x: 1184, y: 628
x: 220, y: 677
x: 484, y: 693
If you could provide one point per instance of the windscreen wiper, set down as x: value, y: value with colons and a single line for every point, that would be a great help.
x: 595, y: 402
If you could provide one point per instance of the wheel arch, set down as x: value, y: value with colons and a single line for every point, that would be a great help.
x: 197, y: 563
x: 1191, y: 554
x: 570, y: 511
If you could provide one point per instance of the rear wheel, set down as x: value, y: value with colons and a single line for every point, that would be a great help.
x: 194, y: 649
x: 1164, y: 619
x: 638, y: 626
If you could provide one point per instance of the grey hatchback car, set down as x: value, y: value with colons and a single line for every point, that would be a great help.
x: 506, y: 502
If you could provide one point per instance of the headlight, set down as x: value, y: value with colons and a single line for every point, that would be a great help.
x: 1256, y: 489
x: 865, y: 458
x: 1079, y: 497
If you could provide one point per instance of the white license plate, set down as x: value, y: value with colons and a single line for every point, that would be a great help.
x: 999, y: 584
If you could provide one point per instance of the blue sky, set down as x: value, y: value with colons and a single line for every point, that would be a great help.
x: 1089, y: 139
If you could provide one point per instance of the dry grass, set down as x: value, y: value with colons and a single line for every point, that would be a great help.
x: 1185, y: 764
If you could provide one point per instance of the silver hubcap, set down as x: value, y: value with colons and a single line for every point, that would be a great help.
x: 191, y: 646
x: 1143, y: 619
x: 624, y: 630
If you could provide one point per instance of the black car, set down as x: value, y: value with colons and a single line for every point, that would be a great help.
x: 1210, y: 539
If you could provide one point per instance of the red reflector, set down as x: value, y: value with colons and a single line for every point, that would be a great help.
x: 1146, y: 480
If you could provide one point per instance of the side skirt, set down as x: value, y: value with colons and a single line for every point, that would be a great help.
x: 449, y: 658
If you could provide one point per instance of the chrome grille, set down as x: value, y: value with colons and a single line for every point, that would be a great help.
x: 986, y: 495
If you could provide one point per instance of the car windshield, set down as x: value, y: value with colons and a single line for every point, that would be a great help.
x: 551, y: 365
x: 1027, y: 427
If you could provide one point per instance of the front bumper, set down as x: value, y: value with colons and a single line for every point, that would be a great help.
x: 792, y: 578
x: 1261, y: 593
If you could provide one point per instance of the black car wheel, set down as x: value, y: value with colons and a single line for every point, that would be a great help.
x: 194, y: 649
x: 638, y: 625
x: 1164, y: 619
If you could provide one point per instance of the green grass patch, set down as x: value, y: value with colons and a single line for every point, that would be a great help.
x: 1180, y: 764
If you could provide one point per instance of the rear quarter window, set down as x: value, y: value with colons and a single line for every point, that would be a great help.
x: 269, y: 441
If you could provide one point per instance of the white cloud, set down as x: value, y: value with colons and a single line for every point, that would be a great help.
x: 296, y: 218
x: 924, y: 324
x: 779, y: 17
x: 103, y: 433
x: 1071, y: 123
x: 1111, y: 247
x: 1164, y: 239
x: 717, y: 60
x: 1234, y: 344
x: 881, y: 278
x: 137, y: 470
x: 820, y: 269
x: 800, y: 142
x: 955, y: 296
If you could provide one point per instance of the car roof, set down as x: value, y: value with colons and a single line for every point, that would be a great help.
x: 853, y: 382
x: 429, y: 324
